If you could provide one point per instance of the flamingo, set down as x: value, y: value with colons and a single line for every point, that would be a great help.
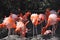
x: 52, y: 19
x: 9, y: 22
x: 41, y: 18
x: 34, y: 19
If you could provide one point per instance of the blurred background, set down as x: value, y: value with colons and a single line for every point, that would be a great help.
x: 16, y: 6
